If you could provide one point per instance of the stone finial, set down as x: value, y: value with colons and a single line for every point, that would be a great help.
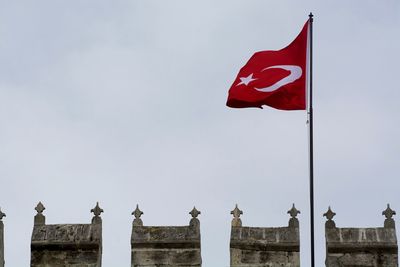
x: 195, y: 213
x: 236, y: 221
x: 39, y: 219
x: 2, y: 215
x: 97, y: 211
x: 293, y: 211
x: 40, y: 208
x: 137, y: 213
x: 293, y: 221
x: 329, y: 215
x: 389, y: 221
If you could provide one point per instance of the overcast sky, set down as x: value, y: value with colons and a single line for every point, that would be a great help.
x: 123, y: 102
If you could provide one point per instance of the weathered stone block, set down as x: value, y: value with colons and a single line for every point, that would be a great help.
x: 375, y: 247
x: 361, y: 247
x: 270, y: 247
x: 165, y: 246
x: 66, y: 245
x: 265, y: 247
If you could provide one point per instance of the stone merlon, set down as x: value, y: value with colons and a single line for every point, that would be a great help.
x: 365, y: 246
x: 69, y: 245
x: 265, y: 246
x: 165, y: 245
x: 66, y: 236
x: 272, y: 238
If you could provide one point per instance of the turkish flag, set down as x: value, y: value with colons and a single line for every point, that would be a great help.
x: 273, y: 78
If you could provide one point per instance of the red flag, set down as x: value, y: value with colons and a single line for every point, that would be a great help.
x: 273, y: 78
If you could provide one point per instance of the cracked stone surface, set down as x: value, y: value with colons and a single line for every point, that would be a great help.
x: 166, y: 246
x: 67, y: 245
x: 265, y: 246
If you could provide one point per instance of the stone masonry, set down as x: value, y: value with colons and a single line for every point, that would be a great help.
x: 361, y: 247
x: 165, y: 246
x: 265, y: 247
x: 66, y: 245
x: 2, y: 262
x: 80, y: 245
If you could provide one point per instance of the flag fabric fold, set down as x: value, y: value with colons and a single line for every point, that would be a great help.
x: 273, y: 78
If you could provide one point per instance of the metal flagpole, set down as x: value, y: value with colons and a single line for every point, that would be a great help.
x: 311, y: 152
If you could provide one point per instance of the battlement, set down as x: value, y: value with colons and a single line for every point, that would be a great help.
x: 165, y: 245
x: 361, y: 246
x: 69, y: 245
x: 262, y: 246
x: 66, y: 236
x: 356, y: 239
x: 80, y: 245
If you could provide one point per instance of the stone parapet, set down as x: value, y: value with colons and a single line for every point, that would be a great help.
x: 167, y: 246
x: 339, y: 240
x: 66, y: 236
x: 273, y: 238
x: 165, y: 237
x: 375, y: 247
x: 67, y: 245
x: 265, y: 246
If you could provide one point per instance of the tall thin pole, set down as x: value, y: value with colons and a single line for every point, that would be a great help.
x: 311, y: 152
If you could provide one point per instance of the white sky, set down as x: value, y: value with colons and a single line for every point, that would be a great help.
x: 123, y: 102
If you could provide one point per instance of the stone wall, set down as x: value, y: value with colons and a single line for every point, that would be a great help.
x: 265, y: 247
x: 363, y: 247
x: 166, y: 246
x: 80, y: 245
x: 66, y: 245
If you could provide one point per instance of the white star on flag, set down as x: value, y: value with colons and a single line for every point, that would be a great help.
x: 246, y: 80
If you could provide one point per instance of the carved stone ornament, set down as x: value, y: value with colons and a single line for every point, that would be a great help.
x: 293, y: 221
x: 2, y: 215
x: 39, y: 218
x: 97, y: 211
x: 293, y: 212
x: 194, y: 221
x: 40, y: 208
x: 195, y: 213
x: 329, y: 215
x: 236, y: 221
x: 389, y: 221
x: 137, y: 213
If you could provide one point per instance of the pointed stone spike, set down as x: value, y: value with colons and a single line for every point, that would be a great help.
x: 137, y: 213
x: 97, y: 211
x: 40, y: 208
x: 293, y: 221
x: 39, y: 218
x: 195, y: 213
x: 194, y: 222
x: 236, y: 221
x: 236, y: 212
x: 388, y: 212
x: 389, y: 221
x: 293, y: 212
x: 2, y: 215
x: 329, y: 214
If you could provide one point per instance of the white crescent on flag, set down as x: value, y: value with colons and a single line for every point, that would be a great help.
x: 295, y: 73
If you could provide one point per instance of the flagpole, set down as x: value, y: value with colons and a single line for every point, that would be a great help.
x: 311, y: 151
